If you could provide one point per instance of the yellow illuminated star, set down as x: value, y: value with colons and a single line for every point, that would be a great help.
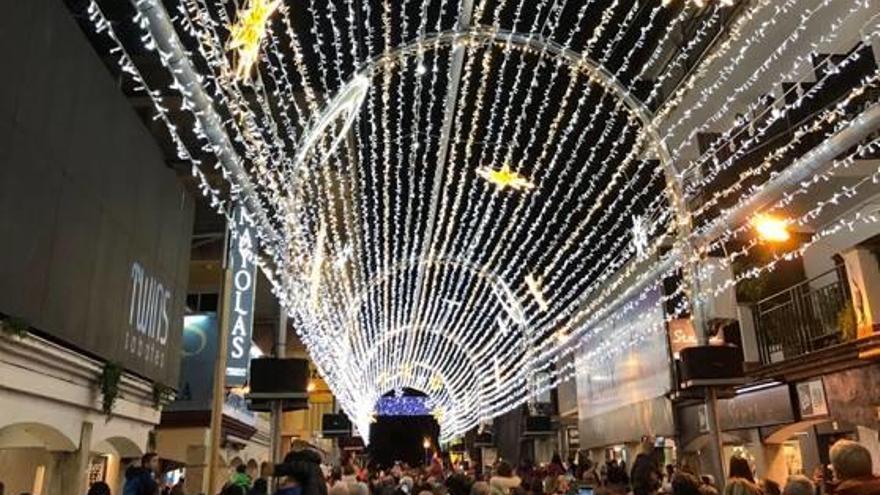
x: 505, y: 177
x: 247, y: 34
x: 535, y: 289
x: 436, y: 383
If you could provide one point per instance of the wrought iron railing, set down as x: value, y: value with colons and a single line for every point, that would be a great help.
x: 803, y: 318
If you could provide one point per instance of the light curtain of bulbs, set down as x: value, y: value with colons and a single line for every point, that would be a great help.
x: 452, y: 194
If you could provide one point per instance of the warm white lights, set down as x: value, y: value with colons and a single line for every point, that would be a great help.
x: 453, y: 208
x: 771, y: 228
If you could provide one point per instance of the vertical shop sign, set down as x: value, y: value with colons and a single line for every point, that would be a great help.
x: 242, y: 262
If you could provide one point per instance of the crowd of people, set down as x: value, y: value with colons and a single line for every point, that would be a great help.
x: 303, y: 473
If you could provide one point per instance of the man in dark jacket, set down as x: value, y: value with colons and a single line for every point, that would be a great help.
x: 853, y: 468
x: 141, y: 480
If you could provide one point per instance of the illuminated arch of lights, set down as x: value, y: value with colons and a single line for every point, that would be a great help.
x: 452, y: 195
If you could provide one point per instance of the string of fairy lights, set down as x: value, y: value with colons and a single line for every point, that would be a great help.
x: 457, y: 197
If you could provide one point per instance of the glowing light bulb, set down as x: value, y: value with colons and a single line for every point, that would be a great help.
x: 770, y: 228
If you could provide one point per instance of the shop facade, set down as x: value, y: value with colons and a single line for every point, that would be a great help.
x: 93, y: 265
x: 623, y: 388
x: 785, y: 429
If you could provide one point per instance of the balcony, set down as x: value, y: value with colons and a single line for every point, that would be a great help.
x: 804, y: 318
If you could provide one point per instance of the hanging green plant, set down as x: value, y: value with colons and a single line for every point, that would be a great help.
x: 14, y: 327
x: 162, y: 395
x: 110, y: 378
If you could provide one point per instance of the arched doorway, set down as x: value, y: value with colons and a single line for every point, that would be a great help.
x: 109, y: 460
x: 29, y: 454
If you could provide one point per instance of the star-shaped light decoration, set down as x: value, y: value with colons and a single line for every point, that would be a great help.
x: 248, y: 33
x: 535, y: 289
x: 505, y: 177
x: 436, y: 383
x: 438, y: 413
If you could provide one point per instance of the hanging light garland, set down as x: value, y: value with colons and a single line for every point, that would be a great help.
x: 456, y: 272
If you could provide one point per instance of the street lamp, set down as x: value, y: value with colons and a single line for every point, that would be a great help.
x: 770, y: 228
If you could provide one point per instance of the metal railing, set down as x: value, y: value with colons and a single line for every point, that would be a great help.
x: 803, y: 318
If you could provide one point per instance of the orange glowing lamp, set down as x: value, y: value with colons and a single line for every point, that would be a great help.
x: 770, y: 228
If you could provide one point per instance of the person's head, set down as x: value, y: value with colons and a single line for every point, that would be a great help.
x: 850, y: 460
x: 303, y: 468
x: 504, y: 469
x: 741, y: 486
x: 799, y: 485
x: 339, y: 489
x: 348, y: 470
x: 770, y: 487
x: 685, y: 484
x: 556, y: 458
x: 562, y: 484
x: 739, y: 468
x: 670, y: 471
x: 480, y: 488
x: 261, y: 487
x: 99, y: 488
x: 150, y: 461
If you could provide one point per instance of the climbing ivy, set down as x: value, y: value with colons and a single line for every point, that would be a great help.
x: 110, y: 378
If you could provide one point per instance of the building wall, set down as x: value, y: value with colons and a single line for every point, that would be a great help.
x: 84, y: 195
x: 50, y: 415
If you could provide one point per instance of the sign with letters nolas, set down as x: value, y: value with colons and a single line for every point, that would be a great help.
x: 242, y: 261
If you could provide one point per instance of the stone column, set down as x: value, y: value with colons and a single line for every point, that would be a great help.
x: 196, y: 469
x: 73, y: 467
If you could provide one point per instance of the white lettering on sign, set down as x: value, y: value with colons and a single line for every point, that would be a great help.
x: 243, y: 283
x: 148, y: 321
x: 242, y: 260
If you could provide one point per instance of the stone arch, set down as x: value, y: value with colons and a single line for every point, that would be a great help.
x: 35, y: 435
x: 125, y: 448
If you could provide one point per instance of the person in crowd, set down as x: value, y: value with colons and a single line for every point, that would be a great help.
x: 708, y: 486
x: 406, y: 485
x: 645, y: 474
x: 555, y: 468
x: 480, y: 488
x: 563, y: 487
x: 339, y: 489
x: 504, y: 480
x: 589, y: 474
x: 99, y: 488
x: 770, y: 487
x: 260, y: 487
x: 458, y: 484
x: 684, y: 484
x: 239, y: 483
x: 739, y: 468
x: 741, y: 486
x: 853, y: 469
x: 302, y: 474
x: 178, y: 488
x: 799, y: 485
x: 666, y: 486
x: 141, y: 479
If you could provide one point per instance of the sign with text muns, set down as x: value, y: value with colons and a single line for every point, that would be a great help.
x: 242, y: 261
